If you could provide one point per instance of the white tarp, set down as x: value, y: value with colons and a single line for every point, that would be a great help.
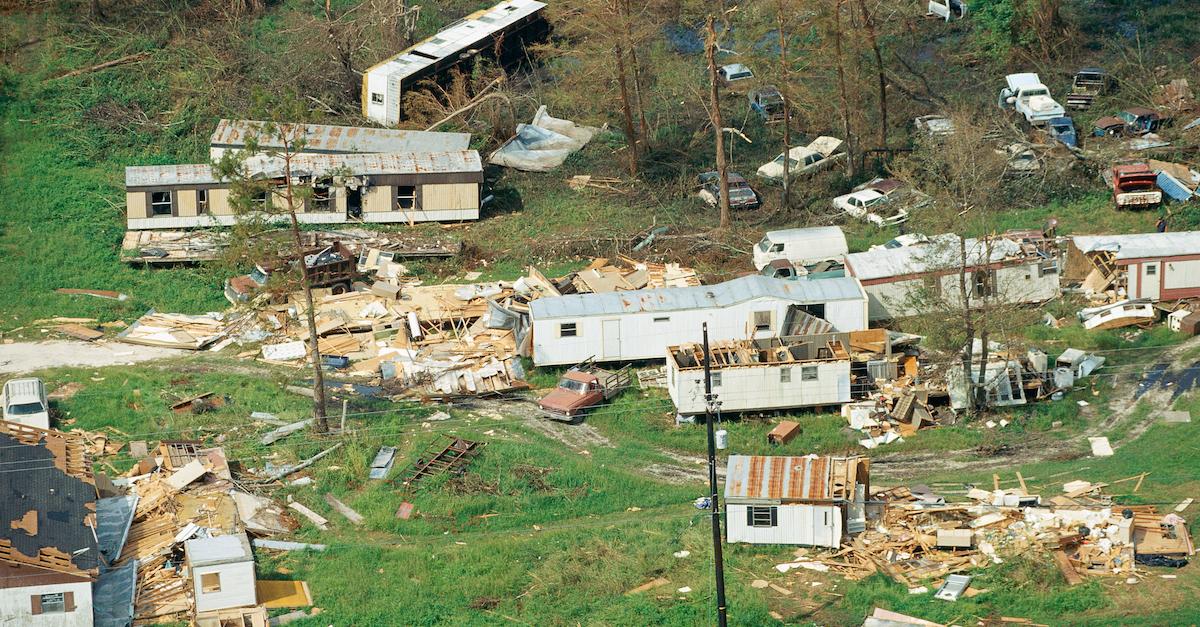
x: 543, y: 144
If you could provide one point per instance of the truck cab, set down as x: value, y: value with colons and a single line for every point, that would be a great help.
x: 24, y: 402
x: 1135, y: 186
x: 581, y: 389
x: 1026, y: 94
x: 1088, y: 83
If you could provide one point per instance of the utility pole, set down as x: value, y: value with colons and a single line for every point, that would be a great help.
x: 710, y: 402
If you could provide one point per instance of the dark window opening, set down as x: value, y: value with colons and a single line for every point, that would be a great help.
x: 567, y: 330
x: 762, y: 516
x: 354, y: 202
x: 322, y: 198
x: 376, y: 98
x: 160, y: 203
x: 201, y: 201
x: 406, y: 196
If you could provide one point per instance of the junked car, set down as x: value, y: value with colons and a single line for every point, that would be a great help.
x: 882, y: 202
x: 1022, y: 159
x: 767, y: 103
x: 934, y: 125
x: 24, y: 401
x: 734, y: 76
x: 1063, y: 130
x: 741, y: 195
x: 817, y: 155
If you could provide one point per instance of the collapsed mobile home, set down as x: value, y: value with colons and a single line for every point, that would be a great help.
x: 919, y: 279
x: 1153, y: 266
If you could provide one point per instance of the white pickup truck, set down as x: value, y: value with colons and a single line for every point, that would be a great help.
x: 1029, y: 97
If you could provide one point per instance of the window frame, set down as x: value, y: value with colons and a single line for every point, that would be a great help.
x: 170, y: 203
x: 716, y: 379
x: 322, y: 204
x: 1152, y: 269
x: 377, y: 98
x: 759, y: 326
x: 60, y: 603
x: 209, y: 587
x: 398, y: 200
x: 785, y: 374
x: 810, y: 373
x: 762, y: 516
x: 563, y: 329
x: 202, y: 202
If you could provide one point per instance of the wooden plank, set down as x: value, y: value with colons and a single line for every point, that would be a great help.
x: 1021, y: 480
x: 312, y: 516
x: 996, y: 481
x: 343, y: 509
x: 1068, y: 570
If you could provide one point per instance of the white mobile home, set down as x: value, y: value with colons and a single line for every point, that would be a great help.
x: 321, y: 139
x: 810, y: 501
x: 917, y: 279
x: 387, y: 187
x: 222, y: 572
x: 641, y: 324
x: 505, y: 26
x: 762, y: 375
x: 1157, y: 266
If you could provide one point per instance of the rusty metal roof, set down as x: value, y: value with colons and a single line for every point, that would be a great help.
x: 312, y: 165
x: 759, y: 477
x: 321, y: 138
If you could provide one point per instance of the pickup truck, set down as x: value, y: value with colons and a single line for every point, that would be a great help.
x: 1026, y: 94
x: 333, y: 266
x: 582, y: 388
x: 1088, y: 83
x: 1135, y: 186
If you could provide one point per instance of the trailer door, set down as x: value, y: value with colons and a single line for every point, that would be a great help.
x: 1150, y: 280
x: 610, y: 332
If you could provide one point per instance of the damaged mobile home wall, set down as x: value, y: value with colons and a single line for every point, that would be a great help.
x: 914, y: 280
x: 641, y: 324
x: 394, y: 187
x: 504, y: 27
x: 232, y: 135
x: 1154, y: 266
x: 763, y: 375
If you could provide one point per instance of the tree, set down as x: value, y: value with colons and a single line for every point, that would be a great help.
x: 965, y: 306
x: 718, y: 124
x: 270, y: 188
x: 841, y: 79
x: 872, y: 37
x: 784, y: 83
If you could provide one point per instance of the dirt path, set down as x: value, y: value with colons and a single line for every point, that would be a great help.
x: 32, y: 356
x: 1171, y: 375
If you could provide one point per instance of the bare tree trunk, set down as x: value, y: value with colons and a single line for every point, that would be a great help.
x: 637, y: 72
x: 321, y: 423
x: 630, y: 136
x: 869, y: 22
x: 787, y: 105
x: 718, y: 123
x: 841, y: 73
x: 964, y: 301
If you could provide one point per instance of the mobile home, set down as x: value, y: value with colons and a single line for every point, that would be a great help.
x: 389, y: 187
x: 1154, y: 266
x: 810, y: 501
x: 222, y: 572
x: 763, y: 375
x: 502, y: 29
x: 232, y: 135
x: 917, y: 279
x: 641, y: 324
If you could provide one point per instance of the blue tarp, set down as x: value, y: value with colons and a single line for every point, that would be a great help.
x: 112, y: 596
x: 1172, y: 187
x: 113, y: 516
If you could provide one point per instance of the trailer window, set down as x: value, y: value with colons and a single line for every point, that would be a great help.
x: 808, y: 373
x: 762, y: 516
x: 1151, y: 269
x: 406, y: 196
x: 716, y: 379
x: 785, y: 375
x: 376, y: 98
x: 160, y: 203
x: 663, y: 319
x: 53, y: 603
x: 985, y: 283
x: 201, y: 201
x: 210, y: 582
x: 567, y: 329
x: 762, y: 321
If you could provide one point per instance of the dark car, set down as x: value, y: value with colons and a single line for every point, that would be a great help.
x: 767, y: 103
x: 1063, y: 130
x: 741, y: 195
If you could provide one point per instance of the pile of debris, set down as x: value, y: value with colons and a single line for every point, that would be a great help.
x: 179, y: 247
x: 919, y: 536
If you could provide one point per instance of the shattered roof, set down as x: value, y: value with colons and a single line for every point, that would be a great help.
x: 321, y: 138
x: 311, y: 165
x: 1141, y: 245
x: 808, y: 478
x: 218, y: 550
x: 940, y: 253
x: 725, y: 294
x: 49, y: 498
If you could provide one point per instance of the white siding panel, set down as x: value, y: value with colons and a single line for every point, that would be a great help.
x: 806, y: 525
x: 1181, y: 274
x: 16, y: 608
x: 237, y: 586
x: 758, y: 388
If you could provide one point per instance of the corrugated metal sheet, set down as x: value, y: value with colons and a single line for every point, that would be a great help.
x: 312, y: 165
x: 1142, y: 245
x: 941, y: 253
x: 732, y: 292
x: 318, y: 138
x: 755, y: 477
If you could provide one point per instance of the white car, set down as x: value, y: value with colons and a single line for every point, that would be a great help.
x: 901, y: 241
x: 734, y: 75
x: 817, y: 155
x: 24, y: 402
x: 935, y: 125
x: 876, y: 202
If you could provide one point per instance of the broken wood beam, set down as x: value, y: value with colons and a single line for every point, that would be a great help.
x: 129, y: 58
x: 283, y: 472
x: 343, y: 509
x: 320, y: 521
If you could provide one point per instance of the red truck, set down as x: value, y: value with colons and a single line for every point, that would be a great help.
x: 581, y: 388
x: 333, y: 266
x: 1135, y: 186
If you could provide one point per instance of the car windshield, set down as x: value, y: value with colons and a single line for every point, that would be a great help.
x: 24, y: 409
x: 791, y: 162
x: 741, y: 193
x: 258, y: 276
x: 737, y: 76
x: 1035, y: 92
x: 1062, y: 128
x: 578, y: 387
